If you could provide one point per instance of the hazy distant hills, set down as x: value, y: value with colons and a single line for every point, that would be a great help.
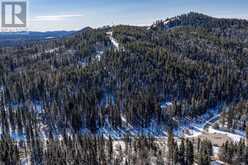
x: 10, y: 39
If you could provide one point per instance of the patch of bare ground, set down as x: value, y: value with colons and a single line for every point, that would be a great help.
x: 216, y: 139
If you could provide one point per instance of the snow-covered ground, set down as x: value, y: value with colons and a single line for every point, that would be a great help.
x: 165, y: 104
x: 233, y: 136
x: 107, y: 99
x: 17, y: 135
x: 26, y: 160
x: 154, y: 130
x: 52, y: 50
x: 38, y: 107
x: 99, y: 55
x: 216, y: 150
x: 217, y: 162
x: 190, y: 128
x: 1, y: 89
x: 204, y: 124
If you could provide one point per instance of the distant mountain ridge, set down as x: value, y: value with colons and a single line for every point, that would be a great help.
x: 13, y: 38
x: 33, y: 35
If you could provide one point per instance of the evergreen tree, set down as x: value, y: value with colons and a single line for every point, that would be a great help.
x: 170, y: 145
x: 246, y: 155
x: 181, y: 153
x: 175, y: 154
x: 205, y: 153
x: 246, y: 131
x: 189, y: 155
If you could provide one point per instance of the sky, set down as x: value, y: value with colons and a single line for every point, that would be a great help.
x: 51, y: 15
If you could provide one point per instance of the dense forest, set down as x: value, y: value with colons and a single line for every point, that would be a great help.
x: 59, y: 96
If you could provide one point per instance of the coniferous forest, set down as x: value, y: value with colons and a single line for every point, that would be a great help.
x: 90, y: 97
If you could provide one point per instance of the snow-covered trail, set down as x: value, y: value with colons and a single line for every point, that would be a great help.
x: 211, y: 121
x: 207, y: 128
x: 191, y: 128
x: 113, y: 40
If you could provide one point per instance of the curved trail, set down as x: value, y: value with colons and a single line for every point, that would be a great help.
x: 113, y: 40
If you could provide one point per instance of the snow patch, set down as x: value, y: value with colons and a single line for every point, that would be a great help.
x: 165, y: 105
x: 216, y: 150
x: 107, y: 99
x: 38, y: 107
x: 50, y: 38
x: 52, y: 50
x: 99, y: 55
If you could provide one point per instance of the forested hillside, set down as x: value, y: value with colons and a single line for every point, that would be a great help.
x: 64, y: 96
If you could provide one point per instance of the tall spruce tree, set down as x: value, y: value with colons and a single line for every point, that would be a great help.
x: 189, y: 155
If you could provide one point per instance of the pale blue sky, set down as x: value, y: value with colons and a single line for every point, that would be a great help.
x: 48, y: 15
